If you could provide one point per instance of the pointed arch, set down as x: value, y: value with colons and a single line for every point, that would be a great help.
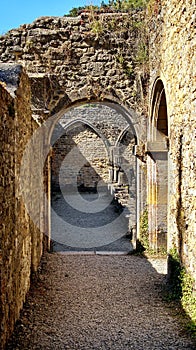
x: 80, y: 121
x: 157, y: 168
x: 158, y: 119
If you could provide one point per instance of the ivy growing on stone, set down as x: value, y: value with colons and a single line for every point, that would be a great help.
x: 180, y: 287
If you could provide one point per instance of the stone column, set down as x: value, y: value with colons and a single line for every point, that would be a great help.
x: 116, y: 171
x: 111, y: 174
x: 157, y: 183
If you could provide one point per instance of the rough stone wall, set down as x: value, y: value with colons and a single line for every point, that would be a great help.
x: 18, y: 254
x: 69, y: 62
x: 6, y: 203
x: 90, y: 153
x: 105, y: 119
x: 172, y: 58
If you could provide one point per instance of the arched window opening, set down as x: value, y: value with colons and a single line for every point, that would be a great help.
x: 162, y: 124
x: 157, y: 168
x: 159, y: 122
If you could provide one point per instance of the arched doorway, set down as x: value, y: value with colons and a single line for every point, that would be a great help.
x: 82, y: 159
x: 157, y: 169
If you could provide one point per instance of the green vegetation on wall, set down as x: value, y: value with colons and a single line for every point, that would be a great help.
x: 180, y: 284
x: 127, y: 5
x: 188, y: 299
x: 144, y: 236
x: 111, y: 6
x: 118, y: 29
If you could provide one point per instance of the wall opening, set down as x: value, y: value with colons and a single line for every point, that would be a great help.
x: 159, y: 120
x: 93, y: 178
x: 157, y: 165
x: 162, y: 123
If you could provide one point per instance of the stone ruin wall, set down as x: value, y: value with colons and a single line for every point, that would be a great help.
x: 105, y: 119
x: 21, y: 241
x: 172, y: 58
x: 96, y: 66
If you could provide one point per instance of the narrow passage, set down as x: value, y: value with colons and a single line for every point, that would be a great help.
x: 91, y: 302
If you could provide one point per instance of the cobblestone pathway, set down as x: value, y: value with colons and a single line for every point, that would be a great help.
x: 91, y: 302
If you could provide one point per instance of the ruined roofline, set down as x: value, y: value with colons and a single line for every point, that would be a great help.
x: 69, y: 19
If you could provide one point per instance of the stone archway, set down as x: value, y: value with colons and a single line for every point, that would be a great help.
x: 157, y: 169
x: 112, y: 127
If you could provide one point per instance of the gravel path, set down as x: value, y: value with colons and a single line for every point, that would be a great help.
x: 91, y: 302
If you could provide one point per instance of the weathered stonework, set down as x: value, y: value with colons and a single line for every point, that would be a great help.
x: 90, y: 149
x: 172, y: 60
x: 21, y: 241
x: 95, y: 66
x: 101, y: 126
x: 67, y: 65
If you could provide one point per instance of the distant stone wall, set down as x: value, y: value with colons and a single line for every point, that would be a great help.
x: 79, y: 158
x: 21, y: 241
x: 172, y: 58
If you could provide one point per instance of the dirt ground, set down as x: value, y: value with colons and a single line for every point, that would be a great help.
x: 105, y: 302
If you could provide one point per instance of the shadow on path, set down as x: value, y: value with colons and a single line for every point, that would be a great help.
x: 98, y: 220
